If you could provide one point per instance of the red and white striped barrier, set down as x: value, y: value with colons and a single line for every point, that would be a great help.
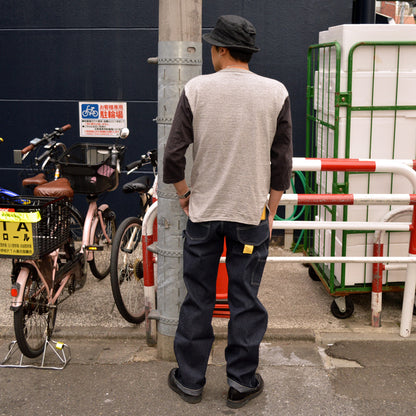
x: 353, y: 165
x: 405, y: 168
x: 149, y: 236
x: 378, y: 248
x: 348, y: 199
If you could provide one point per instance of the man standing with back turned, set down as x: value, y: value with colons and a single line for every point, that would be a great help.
x: 240, y: 126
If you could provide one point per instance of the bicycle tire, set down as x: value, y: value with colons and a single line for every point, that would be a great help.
x: 34, y: 321
x: 100, y: 263
x: 126, y: 271
x: 76, y: 225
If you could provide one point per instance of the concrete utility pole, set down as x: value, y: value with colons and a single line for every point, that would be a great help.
x: 179, y: 60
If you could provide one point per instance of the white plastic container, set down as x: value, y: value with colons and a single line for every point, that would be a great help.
x: 349, y: 35
x: 381, y: 76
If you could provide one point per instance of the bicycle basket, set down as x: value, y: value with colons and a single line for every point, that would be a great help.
x: 87, y: 167
x: 32, y: 226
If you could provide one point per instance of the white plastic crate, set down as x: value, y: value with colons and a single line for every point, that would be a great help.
x: 381, y: 76
x: 348, y: 35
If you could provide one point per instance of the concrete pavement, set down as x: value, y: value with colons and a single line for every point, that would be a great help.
x: 312, y: 363
x: 302, y: 378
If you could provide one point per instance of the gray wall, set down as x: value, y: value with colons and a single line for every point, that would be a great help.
x: 55, y: 54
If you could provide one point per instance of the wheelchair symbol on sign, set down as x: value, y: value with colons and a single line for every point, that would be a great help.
x: 89, y: 111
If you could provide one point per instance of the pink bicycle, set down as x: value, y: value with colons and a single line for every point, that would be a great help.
x: 49, y: 259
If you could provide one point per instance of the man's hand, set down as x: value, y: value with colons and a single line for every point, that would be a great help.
x: 181, y: 189
x: 185, y: 205
x: 274, y: 200
x: 271, y: 218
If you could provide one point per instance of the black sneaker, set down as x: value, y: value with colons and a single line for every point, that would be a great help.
x: 173, y: 384
x: 235, y: 399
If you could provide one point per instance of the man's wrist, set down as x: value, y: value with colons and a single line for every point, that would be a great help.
x: 185, y: 195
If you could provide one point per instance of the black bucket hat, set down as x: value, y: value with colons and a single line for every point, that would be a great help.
x: 233, y: 32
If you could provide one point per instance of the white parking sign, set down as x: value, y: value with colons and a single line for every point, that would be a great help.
x: 102, y: 119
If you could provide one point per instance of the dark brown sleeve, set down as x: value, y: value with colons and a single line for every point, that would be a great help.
x: 281, y: 153
x: 180, y: 137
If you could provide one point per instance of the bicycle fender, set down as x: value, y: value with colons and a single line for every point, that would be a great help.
x: 106, y: 211
x: 103, y: 207
x: 20, y: 285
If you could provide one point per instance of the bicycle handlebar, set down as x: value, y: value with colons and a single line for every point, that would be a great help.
x: 149, y: 157
x: 27, y: 149
x: 65, y: 128
x: 47, y: 137
x: 134, y: 165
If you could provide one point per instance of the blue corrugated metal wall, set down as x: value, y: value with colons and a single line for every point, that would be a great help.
x: 55, y: 54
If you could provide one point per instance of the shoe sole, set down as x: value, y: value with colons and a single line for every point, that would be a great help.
x: 235, y: 404
x: 186, y: 397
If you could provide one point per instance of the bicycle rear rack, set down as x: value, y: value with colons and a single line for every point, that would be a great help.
x: 58, y: 349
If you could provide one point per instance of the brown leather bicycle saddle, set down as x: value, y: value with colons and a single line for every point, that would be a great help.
x: 55, y: 189
x: 36, y: 180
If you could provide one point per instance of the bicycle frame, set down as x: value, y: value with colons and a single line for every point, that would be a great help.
x: 24, y: 274
x: 94, y: 215
x: 93, y: 218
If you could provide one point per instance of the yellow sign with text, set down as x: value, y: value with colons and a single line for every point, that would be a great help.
x: 16, y: 238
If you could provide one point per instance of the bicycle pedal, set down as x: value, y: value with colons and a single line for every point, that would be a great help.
x: 94, y: 248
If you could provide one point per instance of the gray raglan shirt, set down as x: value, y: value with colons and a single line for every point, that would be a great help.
x: 241, y: 129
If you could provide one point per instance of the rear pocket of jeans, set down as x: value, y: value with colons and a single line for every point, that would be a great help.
x: 197, y: 231
x: 253, y: 235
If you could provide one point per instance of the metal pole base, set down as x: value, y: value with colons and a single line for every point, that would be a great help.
x: 58, y: 349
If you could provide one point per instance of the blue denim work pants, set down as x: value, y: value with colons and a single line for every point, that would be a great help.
x: 247, y: 250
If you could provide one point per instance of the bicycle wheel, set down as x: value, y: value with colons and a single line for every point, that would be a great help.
x: 34, y: 321
x: 127, y: 270
x: 76, y: 225
x: 100, y: 264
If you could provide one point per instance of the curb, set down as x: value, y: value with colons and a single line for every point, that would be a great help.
x: 321, y: 337
x: 272, y: 334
